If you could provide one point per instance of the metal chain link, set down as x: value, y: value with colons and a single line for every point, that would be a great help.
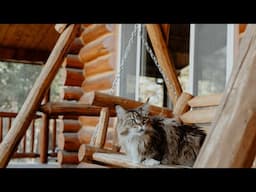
x: 126, y: 51
x: 151, y: 53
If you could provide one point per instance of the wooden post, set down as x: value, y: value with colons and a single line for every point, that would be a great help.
x: 54, y: 134
x: 164, y: 60
x: 231, y: 141
x: 36, y: 94
x: 32, y: 136
x: 182, y: 104
x: 44, y: 133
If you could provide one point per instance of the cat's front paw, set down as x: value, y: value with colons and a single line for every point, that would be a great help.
x: 151, y: 162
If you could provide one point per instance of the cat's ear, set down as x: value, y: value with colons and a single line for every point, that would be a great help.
x: 145, y: 108
x: 120, y: 111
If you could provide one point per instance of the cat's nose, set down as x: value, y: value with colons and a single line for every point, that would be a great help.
x: 141, y: 129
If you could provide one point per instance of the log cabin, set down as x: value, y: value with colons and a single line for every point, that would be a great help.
x: 107, y: 64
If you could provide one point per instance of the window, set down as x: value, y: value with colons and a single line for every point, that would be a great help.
x: 212, y: 49
x: 139, y: 78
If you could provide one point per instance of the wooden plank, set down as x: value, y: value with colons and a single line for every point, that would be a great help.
x: 25, y: 155
x: 122, y: 160
x: 205, y: 100
x: 198, y: 116
x: 234, y: 124
x: 72, y: 109
x: 164, y: 60
x: 36, y: 94
x: 105, y: 100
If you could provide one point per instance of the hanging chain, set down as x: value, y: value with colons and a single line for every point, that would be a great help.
x: 152, y: 55
x: 126, y: 51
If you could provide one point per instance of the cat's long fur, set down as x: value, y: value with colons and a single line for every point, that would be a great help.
x: 154, y: 139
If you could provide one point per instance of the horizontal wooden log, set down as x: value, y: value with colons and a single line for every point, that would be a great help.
x: 121, y: 160
x: 25, y: 155
x: 72, y: 61
x: 99, y: 65
x: 73, y: 77
x: 93, y: 121
x: 106, y: 100
x: 99, y: 82
x: 67, y: 157
x: 85, y: 152
x: 99, y: 47
x: 69, y: 125
x: 71, y: 93
x: 90, y: 165
x: 75, y: 46
x: 206, y: 100
x: 68, y: 141
x: 95, y: 31
x: 198, y: 116
x: 86, y: 132
x: 72, y: 109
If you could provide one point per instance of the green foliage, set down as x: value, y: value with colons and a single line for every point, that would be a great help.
x: 16, y: 80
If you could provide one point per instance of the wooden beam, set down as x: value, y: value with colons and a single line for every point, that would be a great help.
x: 60, y: 27
x: 86, y: 151
x: 164, y: 60
x: 36, y: 94
x: 21, y: 55
x: 75, y: 46
x: 231, y: 141
x: 68, y: 141
x: 205, y: 100
x: 198, y: 116
x: 166, y: 31
x: 90, y: 165
x: 44, y: 133
x: 72, y: 109
x: 105, y: 100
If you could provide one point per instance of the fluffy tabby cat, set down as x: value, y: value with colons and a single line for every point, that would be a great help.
x: 153, y: 140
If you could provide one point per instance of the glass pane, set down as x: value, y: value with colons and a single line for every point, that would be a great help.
x: 128, y: 75
x: 210, y: 58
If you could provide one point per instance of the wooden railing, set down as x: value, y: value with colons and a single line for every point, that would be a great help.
x: 27, y: 148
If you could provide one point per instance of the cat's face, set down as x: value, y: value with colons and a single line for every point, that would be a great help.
x: 132, y: 121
